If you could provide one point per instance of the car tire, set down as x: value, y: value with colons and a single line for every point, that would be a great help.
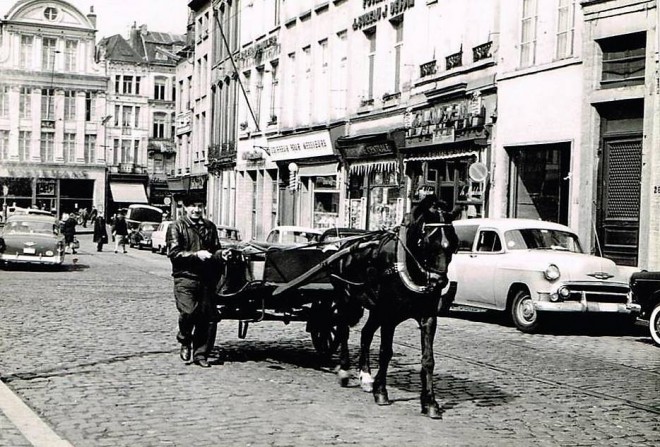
x: 524, y: 316
x: 654, y: 324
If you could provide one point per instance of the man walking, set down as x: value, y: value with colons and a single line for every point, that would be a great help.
x: 193, y: 249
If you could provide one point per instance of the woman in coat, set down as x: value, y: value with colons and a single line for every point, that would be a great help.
x: 100, y: 232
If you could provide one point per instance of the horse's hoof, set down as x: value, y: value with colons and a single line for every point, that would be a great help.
x: 366, y: 382
x: 343, y: 376
x: 433, y: 411
x: 382, y: 399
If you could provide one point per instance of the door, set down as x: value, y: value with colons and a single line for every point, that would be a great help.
x: 476, y: 270
x: 618, y: 217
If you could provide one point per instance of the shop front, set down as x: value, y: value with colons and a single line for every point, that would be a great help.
x: 376, y: 193
x: 445, y: 153
x: 55, y: 190
x: 309, y: 167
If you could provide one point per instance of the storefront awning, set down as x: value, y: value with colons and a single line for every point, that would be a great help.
x: 128, y: 192
x: 366, y: 167
x: 318, y: 170
x: 441, y: 155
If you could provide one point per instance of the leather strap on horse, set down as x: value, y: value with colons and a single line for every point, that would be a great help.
x: 402, y: 267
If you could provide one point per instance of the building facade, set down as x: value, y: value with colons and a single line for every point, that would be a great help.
x: 52, y: 104
x: 139, y: 118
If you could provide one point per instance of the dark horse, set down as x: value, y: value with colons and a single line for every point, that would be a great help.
x: 396, y: 275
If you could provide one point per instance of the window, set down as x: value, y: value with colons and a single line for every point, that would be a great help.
x: 117, y: 84
x: 137, y: 117
x: 277, y: 13
x: 47, y: 104
x: 341, y: 82
x: 70, y: 55
x: 25, y: 103
x: 159, y: 125
x: 115, y: 151
x: 371, y: 63
x: 528, y: 33
x: 136, y: 150
x: 69, y: 147
x: 24, y: 141
x: 4, y: 100
x: 4, y: 145
x: 159, y: 88
x: 274, y: 81
x: 127, y: 116
x: 126, y: 151
x: 128, y: 85
x: 565, y: 29
x: 26, y: 51
x: 137, y: 85
x: 489, y: 241
x: 90, y: 148
x: 48, y: 53
x: 69, y: 105
x: 398, y: 47
x: 89, y: 106
x: 47, y: 144
x: 50, y: 13
x: 292, y: 88
x: 624, y: 60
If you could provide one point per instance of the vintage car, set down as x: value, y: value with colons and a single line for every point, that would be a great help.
x: 293, y: 235
x: 645, y: 288
x: 141, y: 236
x: 229, y: 236
x: 332, y: 237
x: 159, y: 238
x: 533, y: 269
x: 31, y: 238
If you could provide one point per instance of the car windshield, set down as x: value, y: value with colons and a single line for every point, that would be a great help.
x: 26, y: 226
x: 298, y: 237
x: 144, y: 214
x: 148, y: 227
x: 542, y: 239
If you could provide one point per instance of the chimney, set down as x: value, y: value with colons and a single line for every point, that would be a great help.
x: 92, y: 16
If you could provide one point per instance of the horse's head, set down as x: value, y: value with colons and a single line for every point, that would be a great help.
x: 437, y: 245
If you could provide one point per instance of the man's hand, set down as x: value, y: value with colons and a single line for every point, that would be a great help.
x: 204, y: 255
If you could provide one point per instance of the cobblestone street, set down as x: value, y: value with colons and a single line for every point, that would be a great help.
x: 91, y: 349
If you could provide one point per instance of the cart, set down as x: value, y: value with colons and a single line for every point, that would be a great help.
x: 253, y: 271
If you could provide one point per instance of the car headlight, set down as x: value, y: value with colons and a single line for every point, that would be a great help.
x: 552, y: 273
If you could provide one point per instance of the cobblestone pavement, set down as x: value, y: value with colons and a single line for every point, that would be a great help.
x: 91, y: 350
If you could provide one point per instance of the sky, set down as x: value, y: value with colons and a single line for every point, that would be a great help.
x: 117, y: 16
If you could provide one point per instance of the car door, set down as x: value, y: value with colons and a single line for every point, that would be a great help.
x: 476, y: 273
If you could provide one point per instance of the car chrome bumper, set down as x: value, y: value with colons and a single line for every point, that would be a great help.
x: 587, y: 306
x: 32, y: 259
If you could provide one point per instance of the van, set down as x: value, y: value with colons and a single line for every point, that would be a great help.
x: 138, y: 213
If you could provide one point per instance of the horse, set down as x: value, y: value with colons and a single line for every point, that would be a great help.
x: 396, y: 275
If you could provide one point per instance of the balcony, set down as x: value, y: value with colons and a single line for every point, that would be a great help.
x: 482, y: 51
x: 127, y: 168
x: 454, y: 60
x: 428, y: 69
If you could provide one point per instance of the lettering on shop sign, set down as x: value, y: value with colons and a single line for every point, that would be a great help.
x: 265, y: 49
x: 306, y: 145
x: 368, y: 150
x: 384, y: 10
x: 656, y: 189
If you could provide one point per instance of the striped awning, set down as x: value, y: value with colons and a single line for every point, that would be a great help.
x: 366, y: 167
x: 442, y: 155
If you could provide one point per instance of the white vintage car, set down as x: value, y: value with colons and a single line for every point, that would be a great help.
x: 533, y: 269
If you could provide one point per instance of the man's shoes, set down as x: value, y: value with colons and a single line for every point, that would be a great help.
x: 203, y: 363
x: 185, y: 352
x: 125, y: 251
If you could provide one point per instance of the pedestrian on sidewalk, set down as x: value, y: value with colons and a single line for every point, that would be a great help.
x: 194, y: 251
x: 100, y: 232
x: 120, y: 232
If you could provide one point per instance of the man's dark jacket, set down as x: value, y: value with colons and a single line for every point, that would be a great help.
x: 184, y: 239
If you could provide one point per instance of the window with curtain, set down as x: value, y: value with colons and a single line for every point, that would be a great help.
x: 398, y: 48
x: 24, y: 138
x: 69, y: 105
x: 4, y: 144
x: 159, y: 125
x: 47, y: 146
x: 90, y: 148
x: 528, y: 33
x: 25, y: 103
x: 70, y: 55
x: 4, y: 100
x: 47, y: 104
x: 127, y: 86
x: 371, y: 62
x: 159, y: 87
x: 48, y: 46
x: 27, y: 43
x: 69, y: 147
x: 565, y: 29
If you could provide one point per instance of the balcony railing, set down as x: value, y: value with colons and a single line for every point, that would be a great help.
x: 127, y: 168
x: 482, y: 51
x: 454, y: 60
x: 427, y: 69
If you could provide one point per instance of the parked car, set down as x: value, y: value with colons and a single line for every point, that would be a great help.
x: 137, y: 213
x: 159, y: 237
x: 293, y: 235
x: 533, y: 269
x: 337, y: 233
x: 32, y: 238
x: 229, y: 236
x: 141, y: 236
x: 19, y: 210
x: 645, y: 287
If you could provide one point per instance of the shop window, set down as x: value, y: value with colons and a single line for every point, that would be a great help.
x: 326, y: 202
x: 385, y: 207
x: 624, y: 60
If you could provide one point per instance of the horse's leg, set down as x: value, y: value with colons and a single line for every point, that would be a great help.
x: 366, y: 337
x: 429, y: 405
x: 384, y: 357
x: 343, y: 374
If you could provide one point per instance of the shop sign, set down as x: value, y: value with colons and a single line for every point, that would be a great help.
x: 313, y: 144
x: 368, y: 150
x: 382, y: 9
x: 46, y: 187
x: 444, y: 123
x: 265, y: 49
x: 197, y: 182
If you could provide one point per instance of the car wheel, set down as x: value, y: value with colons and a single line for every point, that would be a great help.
x: 654, y: 324
x: 523, y: 314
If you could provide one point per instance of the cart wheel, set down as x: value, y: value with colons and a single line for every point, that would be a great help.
x: 323, y: 327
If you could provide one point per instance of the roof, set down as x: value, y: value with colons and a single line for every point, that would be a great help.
x: 296, y: 228
x: 32, y: 217
x: 509, y: 223
x: 118, y: 49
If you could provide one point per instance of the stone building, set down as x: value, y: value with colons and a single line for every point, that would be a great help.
x: 52, y: 105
